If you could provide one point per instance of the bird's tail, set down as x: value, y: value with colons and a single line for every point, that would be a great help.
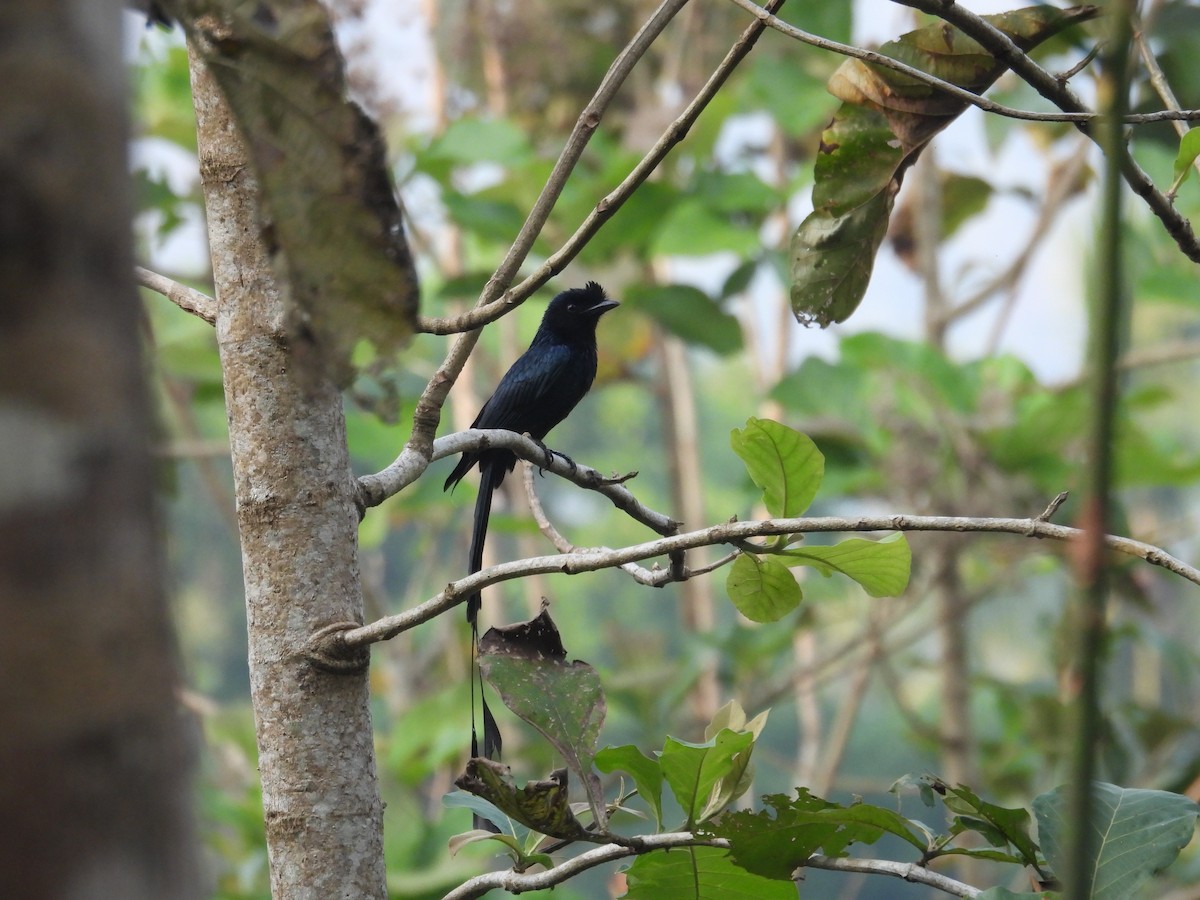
x: 491, y: 475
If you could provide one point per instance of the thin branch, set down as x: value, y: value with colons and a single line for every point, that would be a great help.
x: 640, y: 574
x: 1158, y: 80
x: 1173, y: 352
x: 186, y: 298
x: 344, y: 641
x: 374, y: 489
x: 1063, y: 182
x: 674, y: 133
x: 492, y: 305
x: 518, y: 883
x: 907, y: 871
x: 999, y: 45
x: 870, y: 56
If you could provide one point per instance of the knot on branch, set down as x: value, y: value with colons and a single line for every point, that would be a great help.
x: 598, y: 479
x: 327, y: 650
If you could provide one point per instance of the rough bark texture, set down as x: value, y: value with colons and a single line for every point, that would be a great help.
x: 298, y: 526
x: 93, y: 759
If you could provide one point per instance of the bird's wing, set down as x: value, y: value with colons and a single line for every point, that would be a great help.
x: 525, y: 399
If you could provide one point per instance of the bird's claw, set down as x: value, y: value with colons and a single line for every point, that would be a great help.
x: 550, y: 454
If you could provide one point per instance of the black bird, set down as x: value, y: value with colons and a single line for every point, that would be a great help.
x: 535, y: 394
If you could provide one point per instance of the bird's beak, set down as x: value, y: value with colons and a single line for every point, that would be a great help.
x: 602, y: 307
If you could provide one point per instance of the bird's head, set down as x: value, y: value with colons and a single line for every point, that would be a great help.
x: 575, y: 312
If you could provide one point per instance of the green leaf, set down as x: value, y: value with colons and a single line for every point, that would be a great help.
x: 1001, y: 893
x: 689, y: 313
x: 699, y: 873
x: 739, y: 279
x: 783, y: 462
x: 470, y: 140
x: 647, y: 774
x: 761, y: 588
x: 741, y: 773
x: 982, y: 853
x: 881, y: 567
x: 739, y: 192
x: 694, y: 771
x: 1000, y: 825
x: 832, y: 257
x: 1189, y: 149
x: 496, y: 220
x: 1139, y: 832
x: 691, y: 228
x: 774, y: 842
x: 963, y: 196
x: 487, y: 810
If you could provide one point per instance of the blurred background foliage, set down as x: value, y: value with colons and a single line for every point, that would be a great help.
x: 967, y: 676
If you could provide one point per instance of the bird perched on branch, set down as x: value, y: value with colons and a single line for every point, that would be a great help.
x: 535, y: 394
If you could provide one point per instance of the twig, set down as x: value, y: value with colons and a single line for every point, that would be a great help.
x: 1088, y: 58
x: 186, y: 298
x: 640, y: 574
x: 518, y: 883
x: 1060, y: 189
x: 1052, y: 507
x: 1002, y: 47
x: 1158, y: 80
x: 1176, y: 351
x: 456, y: 592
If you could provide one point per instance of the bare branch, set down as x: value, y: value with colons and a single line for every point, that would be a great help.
x: 1062, y: 185
x: 908, y: 871
x: 186, y: 298
x: 1158, y: 80
x: 650, y: 577
x: 518, y: 883
x: 345, y: 641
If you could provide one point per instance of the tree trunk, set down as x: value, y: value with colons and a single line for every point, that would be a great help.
x: 299, y: 527
x: 93, y: 760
